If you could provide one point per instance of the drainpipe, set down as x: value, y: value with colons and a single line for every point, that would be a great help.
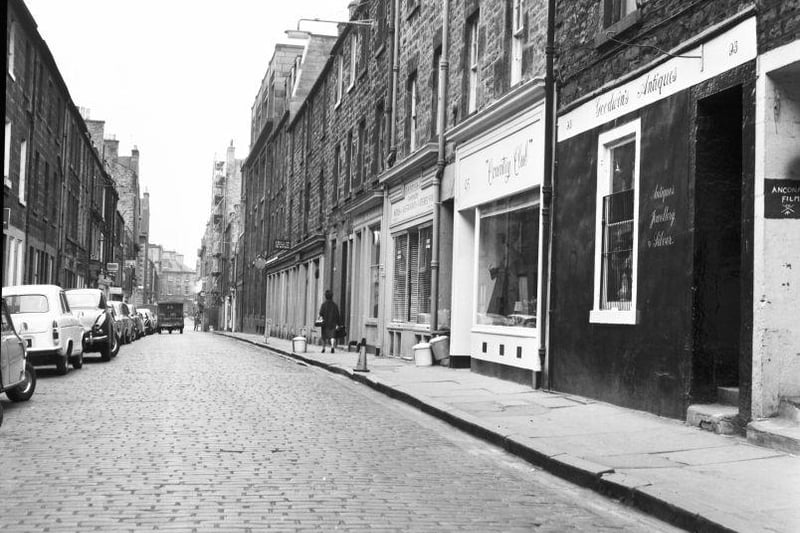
x: 547, y: 192
x: 395, y: 68
x: 440, y: 164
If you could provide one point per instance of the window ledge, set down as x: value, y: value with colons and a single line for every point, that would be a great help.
x: 7, y: 183
x: 413, y: 9
x: 611, y: 316
x: 621, y: 26
x: 352, y: 84
x: 379, y: 51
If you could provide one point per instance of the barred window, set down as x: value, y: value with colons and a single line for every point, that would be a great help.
x: 616, y: 229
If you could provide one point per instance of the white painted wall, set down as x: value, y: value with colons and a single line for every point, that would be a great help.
x: 776, y: 275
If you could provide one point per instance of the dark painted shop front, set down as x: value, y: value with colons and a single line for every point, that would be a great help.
x: 652, y: 262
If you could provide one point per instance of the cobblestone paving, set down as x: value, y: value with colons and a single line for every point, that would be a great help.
x: 196, y: 432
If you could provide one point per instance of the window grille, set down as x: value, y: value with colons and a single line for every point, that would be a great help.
x: 617, y: 253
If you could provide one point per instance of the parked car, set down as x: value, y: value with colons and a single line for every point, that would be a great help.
x: 170, y: 316
x: 42, y: 316
x: 99, y: 328
x: 17, y: 375
x: 138, y: 323
x: 152, y: 311
x: 122, y: 317
x: 149, y: 321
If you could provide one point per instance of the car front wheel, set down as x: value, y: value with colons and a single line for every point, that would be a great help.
x: 24, y: 391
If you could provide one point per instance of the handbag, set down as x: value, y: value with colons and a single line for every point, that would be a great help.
x: 319, y: 322
x: 341, y: 332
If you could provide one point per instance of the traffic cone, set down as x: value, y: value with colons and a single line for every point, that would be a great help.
x: 362, y: 357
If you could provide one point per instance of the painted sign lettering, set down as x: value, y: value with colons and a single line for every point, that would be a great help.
x: 781, y: 198
x: 662, y: 217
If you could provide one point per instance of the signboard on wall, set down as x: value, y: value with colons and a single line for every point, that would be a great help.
x: 416, y: 201
x: 781, y: 198
x: 281, y: 244
x: 506, y: 161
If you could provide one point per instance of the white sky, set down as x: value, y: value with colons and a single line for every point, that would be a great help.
x: 176, y: 78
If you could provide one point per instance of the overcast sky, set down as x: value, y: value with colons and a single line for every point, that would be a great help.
x: 176, y: 78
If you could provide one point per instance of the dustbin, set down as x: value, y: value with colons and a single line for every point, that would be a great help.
x: 299, y: 345
x: 422, y: 354
x: 440, y: 346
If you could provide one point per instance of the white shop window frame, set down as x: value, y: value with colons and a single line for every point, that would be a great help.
x: 606, y: 142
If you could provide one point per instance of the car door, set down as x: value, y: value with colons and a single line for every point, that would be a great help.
x: 12, y: 362
x: 71, y: 324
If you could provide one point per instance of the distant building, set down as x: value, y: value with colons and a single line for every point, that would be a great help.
x: 218, y: 250
x: 175, y: 280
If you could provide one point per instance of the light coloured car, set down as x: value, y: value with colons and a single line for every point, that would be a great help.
x: 17, y: 376
x: 149, y: 321
x: 99, y: 329
x: 122, y: 317
x: 42, y: 317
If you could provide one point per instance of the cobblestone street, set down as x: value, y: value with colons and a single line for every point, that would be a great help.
x: 198, y: 432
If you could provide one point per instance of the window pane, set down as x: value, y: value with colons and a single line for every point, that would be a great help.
x: 508, y: 267
x: 617, y: 254
x: 399, y: 289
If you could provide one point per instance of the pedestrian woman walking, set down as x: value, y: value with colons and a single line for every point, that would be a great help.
x: 329, y: 312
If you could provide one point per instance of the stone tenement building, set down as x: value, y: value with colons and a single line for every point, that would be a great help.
x: 597, y: 197
x: 59, y: 202
x: 218, y: 251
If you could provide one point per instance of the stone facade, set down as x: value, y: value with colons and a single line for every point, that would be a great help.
x: 60, y: 201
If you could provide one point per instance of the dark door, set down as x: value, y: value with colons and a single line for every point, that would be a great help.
x: 718, y: 287
x: 343, y: 286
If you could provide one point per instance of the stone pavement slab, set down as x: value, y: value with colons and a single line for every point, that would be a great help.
x: 689, y: 477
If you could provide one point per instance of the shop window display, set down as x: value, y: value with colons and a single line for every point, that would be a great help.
x: 508, y: 263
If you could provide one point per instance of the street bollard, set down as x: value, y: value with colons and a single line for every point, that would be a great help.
x: 362, y: 357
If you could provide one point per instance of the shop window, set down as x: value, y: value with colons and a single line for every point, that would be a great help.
x: 508, y: 262
x: 411, y: 291
x: 616, y: 221
x: 374, y: 271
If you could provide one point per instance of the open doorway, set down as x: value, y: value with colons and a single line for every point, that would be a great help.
x: 717, y: 274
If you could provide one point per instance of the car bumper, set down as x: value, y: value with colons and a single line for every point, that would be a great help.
x: 44, y: 357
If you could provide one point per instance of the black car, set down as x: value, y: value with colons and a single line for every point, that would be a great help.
x: 99, y: 328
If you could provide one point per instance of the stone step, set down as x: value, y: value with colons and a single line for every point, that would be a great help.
x: 714, y: 417
x: 790, y: 409
x: 777, y: 433
x: 728, y: 396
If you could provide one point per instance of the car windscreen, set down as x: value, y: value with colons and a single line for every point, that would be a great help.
x: 27, y: 303
x: 83, y: 300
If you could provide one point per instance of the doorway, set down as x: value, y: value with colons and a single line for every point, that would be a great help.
x: 717, y: 273
x: 343, y: 286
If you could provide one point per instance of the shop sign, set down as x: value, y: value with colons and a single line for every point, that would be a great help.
x: 722, y: 53
x: 281, y: 245
x: 416, y: 201
x: 507, y: 165
x: 112, y: 267
x: 781, y: 198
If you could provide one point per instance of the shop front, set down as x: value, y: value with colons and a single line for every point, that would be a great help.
x: 294, y: 290
x: 651, y: 284
x: 497, y: 247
